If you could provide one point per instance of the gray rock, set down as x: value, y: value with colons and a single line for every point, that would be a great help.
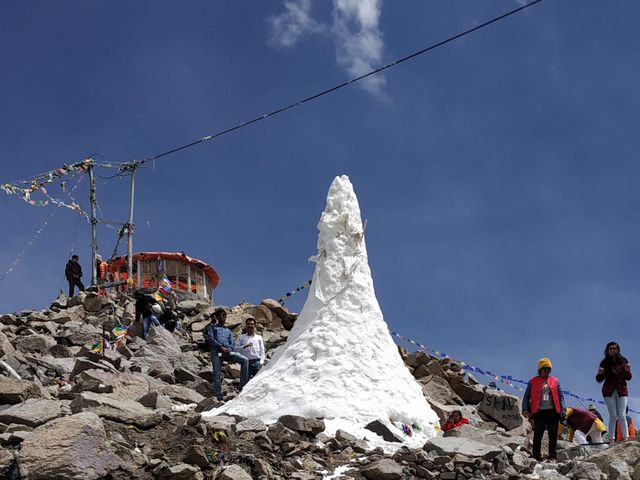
x: 381, y: 429
x: 34, y: 343
x: 619, y: 461
x: 234, y: 472
x: 72, y: 314
x: 418, y: 358
x: 180, y: 394
x: 437, y: 389
x: 14, y: 391
x: 310, y: 426
x: 9, y: 439
x: 385, y: 469
x: 587, y: 471
x: 32, y: 412
x: 195, y: 455
x: 345, y: 437
x: 470, y: 394
x: 279, y: 434
x: 251, y: 425
x: 181, y: 471
x: 94, y: 302
x: 225, y: 423
x: 503, y: 408
x: 273, y: 305
x: 5, y: 345
x: 118, y: 410
x: 450, y: 446
x: 68, y: 448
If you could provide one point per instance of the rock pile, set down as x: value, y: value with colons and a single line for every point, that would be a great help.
x: 67, y: 412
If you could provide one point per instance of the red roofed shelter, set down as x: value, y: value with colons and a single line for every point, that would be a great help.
x: 185, y: 273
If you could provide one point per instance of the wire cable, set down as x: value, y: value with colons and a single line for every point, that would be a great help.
x: 339, y: 86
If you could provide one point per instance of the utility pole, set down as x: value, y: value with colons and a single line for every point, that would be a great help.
x: 130, y: 224
x: 94, y: 221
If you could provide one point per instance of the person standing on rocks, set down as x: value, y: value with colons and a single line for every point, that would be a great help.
x: 615, y: 371
x: 221, y: 344
x: 73, y: 273
x: 543, y: 403
x: 147, y: 309
x: 251, y: 345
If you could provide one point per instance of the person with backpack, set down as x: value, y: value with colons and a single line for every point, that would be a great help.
x: 615, y: 372
x: 220, y: 341
x: 543, y: 402
x: 147, y: 309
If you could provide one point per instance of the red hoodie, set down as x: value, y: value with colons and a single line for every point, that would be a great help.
x: 450, y: 425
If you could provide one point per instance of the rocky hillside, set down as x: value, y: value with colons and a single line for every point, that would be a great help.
x: 67, y: 412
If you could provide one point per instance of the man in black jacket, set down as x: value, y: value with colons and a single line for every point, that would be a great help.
x: 147, y: 309
x: 73, y: 272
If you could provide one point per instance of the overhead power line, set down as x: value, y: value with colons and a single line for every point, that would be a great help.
x: 339, y: 86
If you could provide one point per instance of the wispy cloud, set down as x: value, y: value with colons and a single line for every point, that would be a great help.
x: 292, y: 24
x: 355, y: 31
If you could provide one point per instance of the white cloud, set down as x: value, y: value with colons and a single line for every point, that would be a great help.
x: 359, y: 44
x: 292, y: 24
x: 355, y: 30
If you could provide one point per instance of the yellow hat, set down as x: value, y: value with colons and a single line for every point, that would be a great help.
x: 544, y: 363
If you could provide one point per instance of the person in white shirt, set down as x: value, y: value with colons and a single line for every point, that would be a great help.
x: 251, y: 345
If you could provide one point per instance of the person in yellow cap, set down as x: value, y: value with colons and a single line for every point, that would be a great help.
x: 543, y: 403
x: 584, y: 425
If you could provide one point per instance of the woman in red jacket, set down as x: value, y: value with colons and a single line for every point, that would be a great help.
x: 455, y: 420
x: 543, y: 402
x: 615, y: 371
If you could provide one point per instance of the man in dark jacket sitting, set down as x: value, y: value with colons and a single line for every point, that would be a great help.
x: 221, y: 344
x: 73, y: 272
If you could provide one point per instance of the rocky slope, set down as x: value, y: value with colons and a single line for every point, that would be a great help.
x: 134, y: 412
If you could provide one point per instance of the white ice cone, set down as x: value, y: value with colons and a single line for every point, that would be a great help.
x: 339, y: 362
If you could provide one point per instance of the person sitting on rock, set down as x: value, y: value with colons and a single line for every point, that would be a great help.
x: 543, y: 402
x: 454, y: 421
x: 251, y: 345
x: 585, y: 425
x: 221, y: 343
x: 146, y: 308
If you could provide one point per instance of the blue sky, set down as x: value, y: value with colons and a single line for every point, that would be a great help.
x: 498, y: 174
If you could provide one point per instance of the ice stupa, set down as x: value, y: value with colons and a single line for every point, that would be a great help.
x: 339, y: 362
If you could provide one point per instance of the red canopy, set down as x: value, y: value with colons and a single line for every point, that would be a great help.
x: 118, y: 262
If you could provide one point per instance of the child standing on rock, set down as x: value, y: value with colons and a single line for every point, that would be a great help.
x: 615, y: 371
x: 543, y: 402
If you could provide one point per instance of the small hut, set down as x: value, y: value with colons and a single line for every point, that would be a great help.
x: 186, y: 273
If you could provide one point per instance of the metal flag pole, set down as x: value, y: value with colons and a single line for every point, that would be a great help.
x: 94, y: 222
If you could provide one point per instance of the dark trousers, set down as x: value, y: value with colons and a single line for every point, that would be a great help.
x: 254, y: 367
x: 545, y: 420
x: 73, y: 284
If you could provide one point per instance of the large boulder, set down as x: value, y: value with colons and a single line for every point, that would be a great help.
x: 73, y: 314
x: 450, y: 446
x: 33, y: 412
x: 118, y: 410
x: 15, y: 391
x: 438, y: 390
x: 385, y: 469
x: 309, y: 426
x: 234, y: 472
x: 502, y: 408
x: 68, y: 448
x: 5, y: 345
x: 34, y: 343
x: 620, y: 462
